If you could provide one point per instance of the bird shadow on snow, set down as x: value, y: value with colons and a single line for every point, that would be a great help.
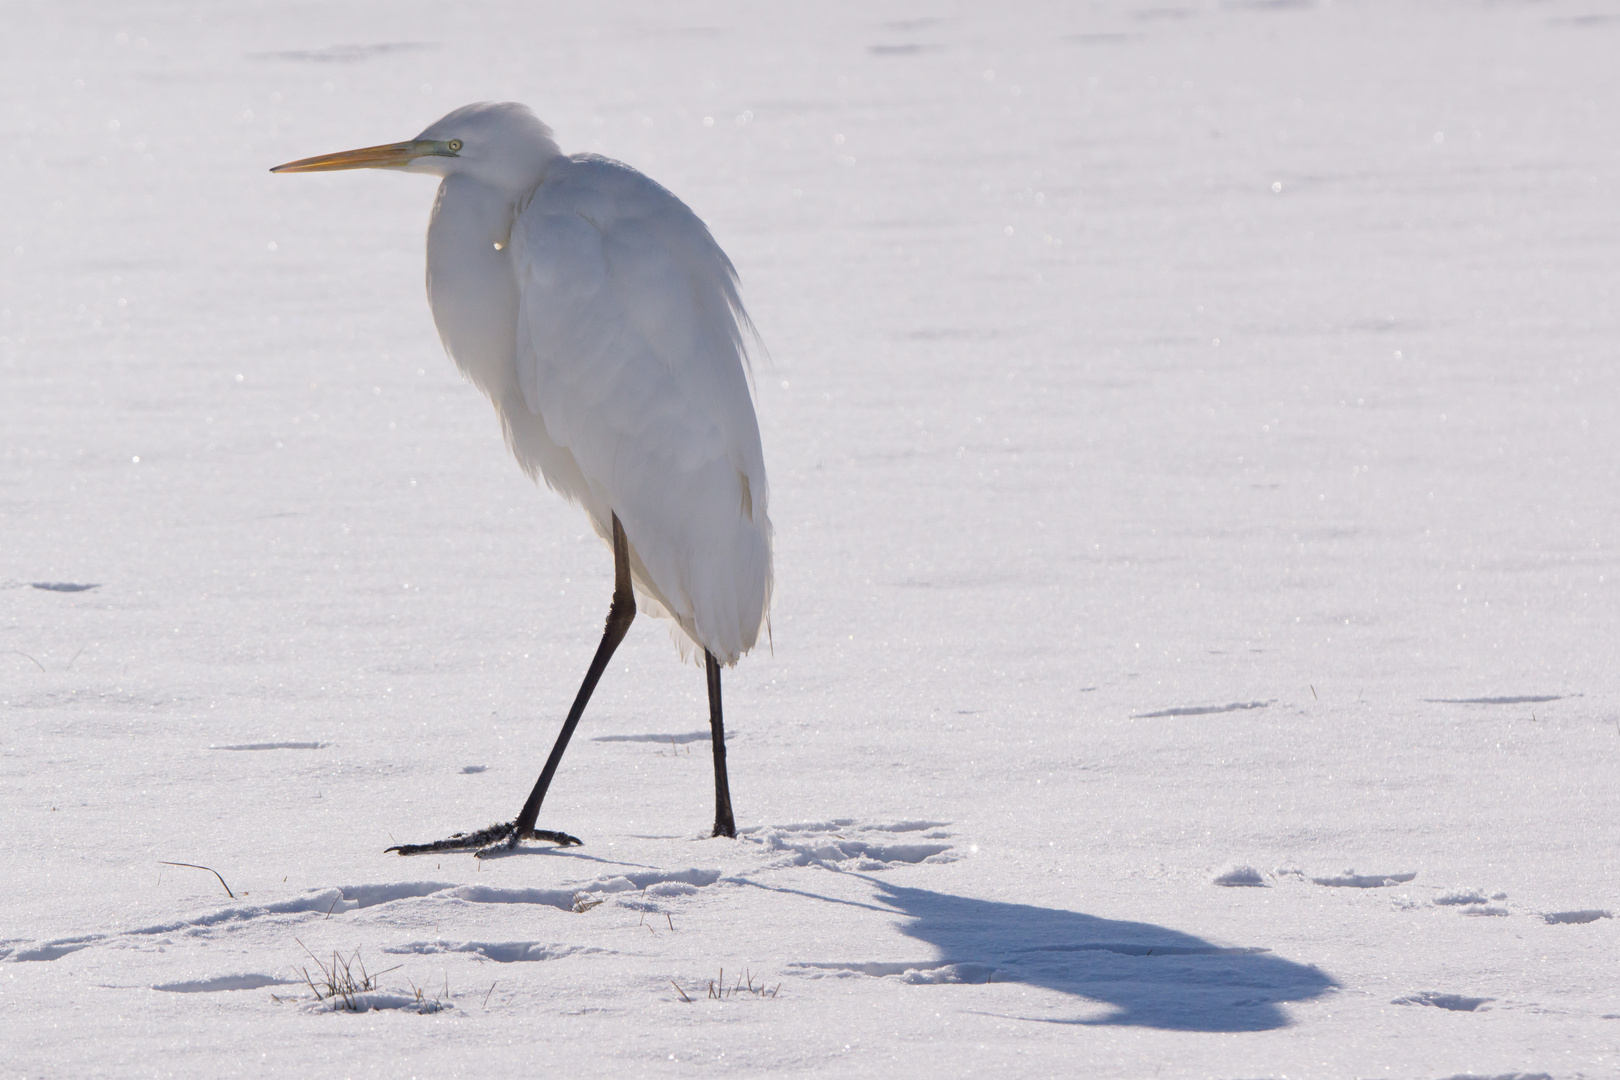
x: 1152, y: 976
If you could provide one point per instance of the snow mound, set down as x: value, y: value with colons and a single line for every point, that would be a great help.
x: 1237, y: 874
x: 1460, y: 896
x: 1349, y: 879
x: 374, y: 1000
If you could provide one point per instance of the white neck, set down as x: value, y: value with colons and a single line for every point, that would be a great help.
x: 471, y: 283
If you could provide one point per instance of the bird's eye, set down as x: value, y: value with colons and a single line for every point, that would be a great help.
x: 455, y: 144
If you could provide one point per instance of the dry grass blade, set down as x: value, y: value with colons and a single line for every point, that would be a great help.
x: 194, y: 866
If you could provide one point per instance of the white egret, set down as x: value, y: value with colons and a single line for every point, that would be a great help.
x: 603, y: 321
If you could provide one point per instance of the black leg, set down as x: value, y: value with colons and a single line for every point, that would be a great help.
x: 620, y: 615
x: 724, y: 825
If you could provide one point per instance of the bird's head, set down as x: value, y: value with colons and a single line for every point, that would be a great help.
x: 500, y: 143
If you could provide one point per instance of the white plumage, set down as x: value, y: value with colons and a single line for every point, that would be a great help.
x: 603, y: 321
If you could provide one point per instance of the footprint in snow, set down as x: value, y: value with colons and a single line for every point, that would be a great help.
x: 567, y: 898
x: 1471, y: 902
x: 1453, y: 897
x: 673, y: 739
x: 640, y: 889
x: 1454, y: 1002
x: 1514, y: 699
x: 1204, y: 710
x: 845, y: 844
x: 221, y: 983
x: 1585, y: 916
x: 33, y: 951
x: 501, y: 952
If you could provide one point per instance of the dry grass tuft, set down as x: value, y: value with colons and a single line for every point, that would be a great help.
x: 338, y: 983
x: 425, y: 1004
x: 719, y: 991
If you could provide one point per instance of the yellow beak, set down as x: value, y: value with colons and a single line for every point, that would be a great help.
x: 391, y: 156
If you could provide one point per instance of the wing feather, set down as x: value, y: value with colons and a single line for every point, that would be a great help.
x: 631, y: 350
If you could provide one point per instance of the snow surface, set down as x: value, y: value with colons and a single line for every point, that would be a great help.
x: 1193, y: 431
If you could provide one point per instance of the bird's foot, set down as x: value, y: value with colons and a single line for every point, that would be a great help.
x: 497, y: 838
x: 506, y: 839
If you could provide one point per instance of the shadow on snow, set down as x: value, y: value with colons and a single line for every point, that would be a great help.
x: 1152, y: 976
